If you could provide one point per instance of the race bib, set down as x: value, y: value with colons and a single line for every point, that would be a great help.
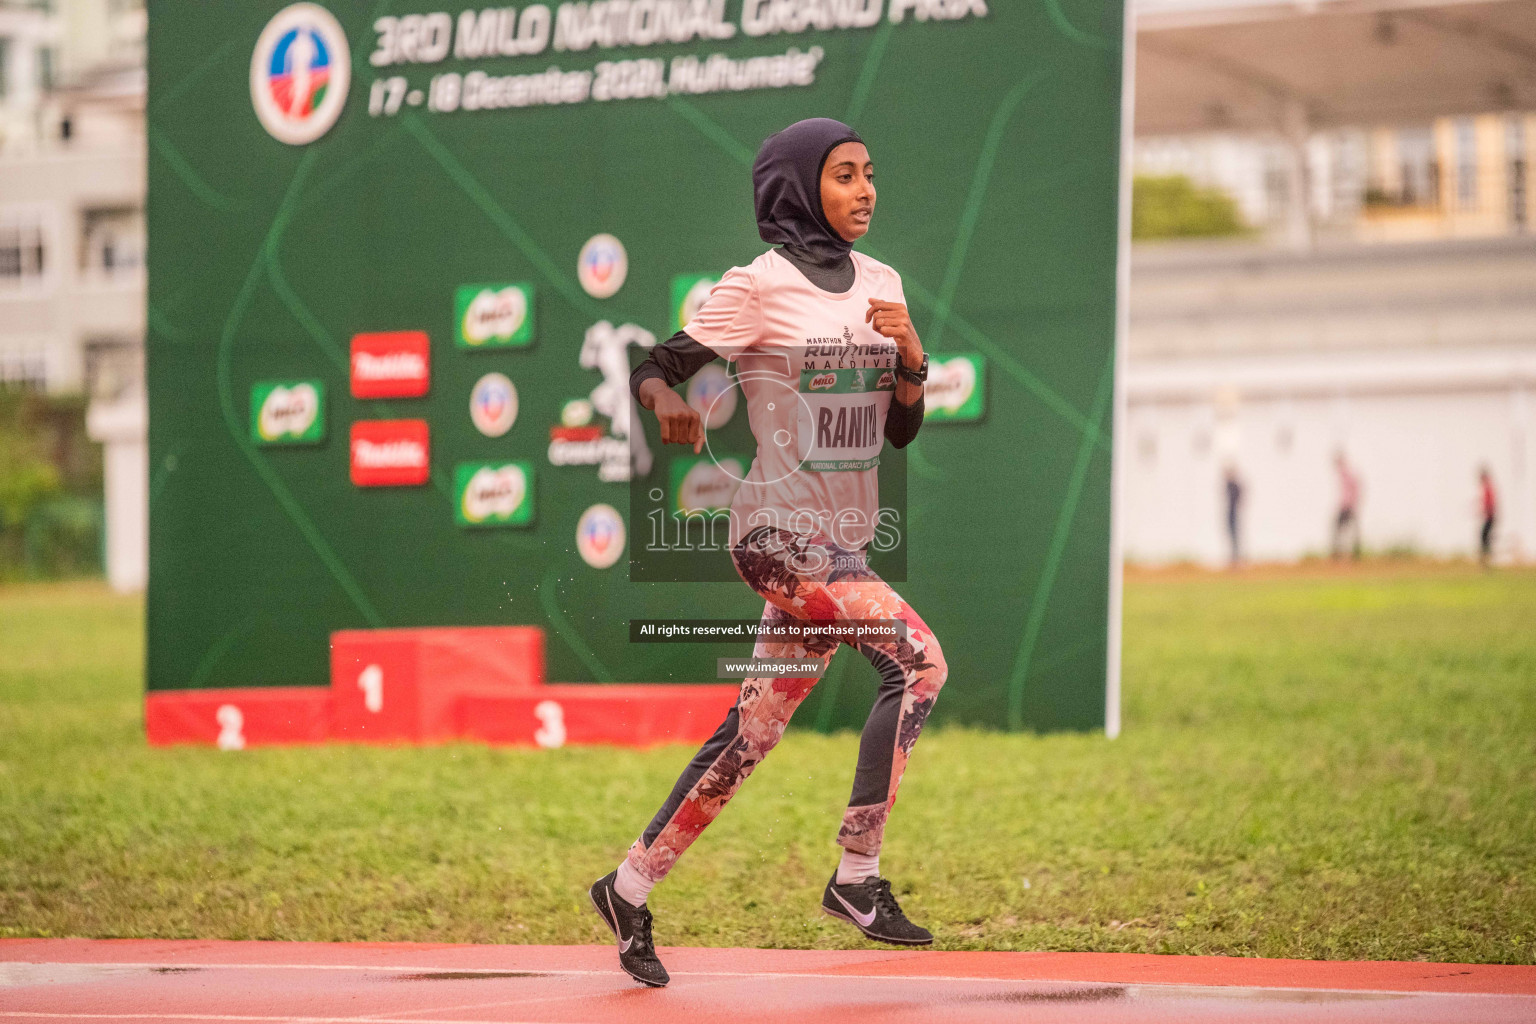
x: 842, y: 418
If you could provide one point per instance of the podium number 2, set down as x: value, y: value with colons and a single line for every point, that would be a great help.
x: 231, y: 726
x: 371, y: 682
x: 551, y: 731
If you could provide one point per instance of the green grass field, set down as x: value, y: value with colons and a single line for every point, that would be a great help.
x: 1312, y: 766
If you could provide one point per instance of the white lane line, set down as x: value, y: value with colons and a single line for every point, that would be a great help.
x: 941, y: 978
x: 404, y: 1016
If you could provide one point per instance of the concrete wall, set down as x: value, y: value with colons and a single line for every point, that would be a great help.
x: 1418, y: 362
x: 1414, y: 428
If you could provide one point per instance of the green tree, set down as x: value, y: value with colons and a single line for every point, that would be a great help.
x: 27, y: 476
x: 1172, y: 206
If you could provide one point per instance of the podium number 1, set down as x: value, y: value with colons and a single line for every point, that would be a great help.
x: 371, y: 682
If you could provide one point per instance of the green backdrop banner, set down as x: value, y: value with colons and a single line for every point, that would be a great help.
x: 401, y: 259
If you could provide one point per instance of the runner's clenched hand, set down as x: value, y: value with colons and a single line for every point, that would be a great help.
x: 680, y: 424
x: 891, y: 320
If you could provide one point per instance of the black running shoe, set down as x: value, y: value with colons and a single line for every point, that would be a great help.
x: 632, y: 929
x: 871, y: 908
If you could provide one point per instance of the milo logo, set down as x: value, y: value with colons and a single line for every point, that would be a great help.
x: 494, y: 494
x: 955, y: 390
x: 287, y: 412
x: 688, y: 294
x: 887, y: 380
x: 494, y: 315
x: 706, y: 485
x: 823, y: 382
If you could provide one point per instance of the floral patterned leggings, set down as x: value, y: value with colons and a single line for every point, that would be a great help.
x: 806, y: 578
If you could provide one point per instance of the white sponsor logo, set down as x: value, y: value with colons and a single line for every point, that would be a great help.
x: 600, y: 536
x: 495, y: 315
x: 493, y: 404
x: 494, y: 492
x: 712, y: 394
x: 300, y: 72
x: 602, y: 266
x: 388, y: 454
x: 576, y: 413
x: 617, y: 933
x: 950, y: 383
x: 863, y: 919
x: 395, y: 366
x: 288, y: 412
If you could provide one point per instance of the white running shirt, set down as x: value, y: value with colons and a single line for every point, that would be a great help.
x: 818, y: 382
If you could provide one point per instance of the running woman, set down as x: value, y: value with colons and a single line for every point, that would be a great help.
x: 831, y: 368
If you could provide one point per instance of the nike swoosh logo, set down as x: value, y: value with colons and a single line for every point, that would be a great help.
x: 619, y: 934
x: 863, y: 919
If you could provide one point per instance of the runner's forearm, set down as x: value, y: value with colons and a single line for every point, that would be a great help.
x: 672, y: 362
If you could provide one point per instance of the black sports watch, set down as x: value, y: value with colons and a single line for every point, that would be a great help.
x: 917, y: 376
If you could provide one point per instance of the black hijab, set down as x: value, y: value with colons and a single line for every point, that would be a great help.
x: 786, y: 187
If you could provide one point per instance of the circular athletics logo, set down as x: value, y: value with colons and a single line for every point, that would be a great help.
x: 602, y: 266
x: 600, y: 536
x: 300, y: 73
x: 712, y: 394
x: 493, y: 404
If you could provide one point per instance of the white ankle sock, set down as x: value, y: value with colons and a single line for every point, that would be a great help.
x: 855, y: 867
x: 632, y: 885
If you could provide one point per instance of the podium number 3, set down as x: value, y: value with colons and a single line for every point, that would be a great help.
x: 551, y: 731
x: 231, y: 726
x: 371, y: 682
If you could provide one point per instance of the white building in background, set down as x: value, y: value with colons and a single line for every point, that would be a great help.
x: 1417, y: 361
x: 1467, y: 176
x: 72, y: 276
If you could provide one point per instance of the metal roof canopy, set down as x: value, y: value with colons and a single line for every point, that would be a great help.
x: 1294, y: 67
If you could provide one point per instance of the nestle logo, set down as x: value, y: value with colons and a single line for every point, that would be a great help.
x: 390, y: 453
x: 394, y: 364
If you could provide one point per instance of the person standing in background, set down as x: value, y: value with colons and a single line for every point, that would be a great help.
x: 1490, y: 504
x: 1348, y: 520
x: 1234, y: 492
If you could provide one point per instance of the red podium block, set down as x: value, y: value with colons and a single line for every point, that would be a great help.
x: 238, y: 718
x: 404, y: 685
x: 629, y: 715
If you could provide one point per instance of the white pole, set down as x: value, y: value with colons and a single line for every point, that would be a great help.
x: 1122, y: 344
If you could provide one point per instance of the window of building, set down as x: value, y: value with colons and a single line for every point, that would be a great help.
x: 113, y: 240
x: 1466, y: 163
x: 24, y: 366
x: 1519, y: 169
x: 5, y: 64
x: 1420, y: 172
x: 45, y: 68
x: 114, y: 367
x: 23, y: 247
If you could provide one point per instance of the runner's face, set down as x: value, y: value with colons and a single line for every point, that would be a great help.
x: 848, y: 190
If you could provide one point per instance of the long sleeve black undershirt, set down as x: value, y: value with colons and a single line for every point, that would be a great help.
x: 680, y: 357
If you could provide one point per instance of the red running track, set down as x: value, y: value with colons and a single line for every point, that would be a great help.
x: 49, y: 980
